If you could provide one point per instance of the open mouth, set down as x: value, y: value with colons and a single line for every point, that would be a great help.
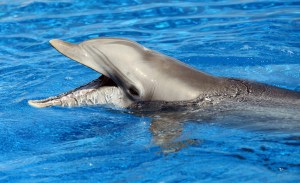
x: 114, y: 87
x: 102, y: 91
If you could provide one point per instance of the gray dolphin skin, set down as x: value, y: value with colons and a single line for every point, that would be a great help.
x: 133, y: 74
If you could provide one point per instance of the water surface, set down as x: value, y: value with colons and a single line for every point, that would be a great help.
x: 245, y: 39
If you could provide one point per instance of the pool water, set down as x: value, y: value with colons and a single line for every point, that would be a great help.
x: 255, y: 40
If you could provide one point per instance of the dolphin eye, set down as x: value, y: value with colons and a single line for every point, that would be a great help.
x: 133, y: 91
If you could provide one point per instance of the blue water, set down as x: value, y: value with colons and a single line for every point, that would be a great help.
x: 245, y: 39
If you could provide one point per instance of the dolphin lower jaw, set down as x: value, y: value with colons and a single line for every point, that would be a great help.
x: 103, y: 96
x: 102, y: 91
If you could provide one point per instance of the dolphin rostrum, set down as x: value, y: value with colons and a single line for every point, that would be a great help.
x: 133, y: 74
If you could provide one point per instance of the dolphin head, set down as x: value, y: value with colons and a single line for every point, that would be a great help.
x: 118, y: 59
x: 130, y: 73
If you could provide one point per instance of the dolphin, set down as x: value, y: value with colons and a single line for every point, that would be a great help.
x: 133, y: 75
x: 151, y: 84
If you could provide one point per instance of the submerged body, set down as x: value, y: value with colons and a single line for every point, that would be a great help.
x: 133, y: 74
